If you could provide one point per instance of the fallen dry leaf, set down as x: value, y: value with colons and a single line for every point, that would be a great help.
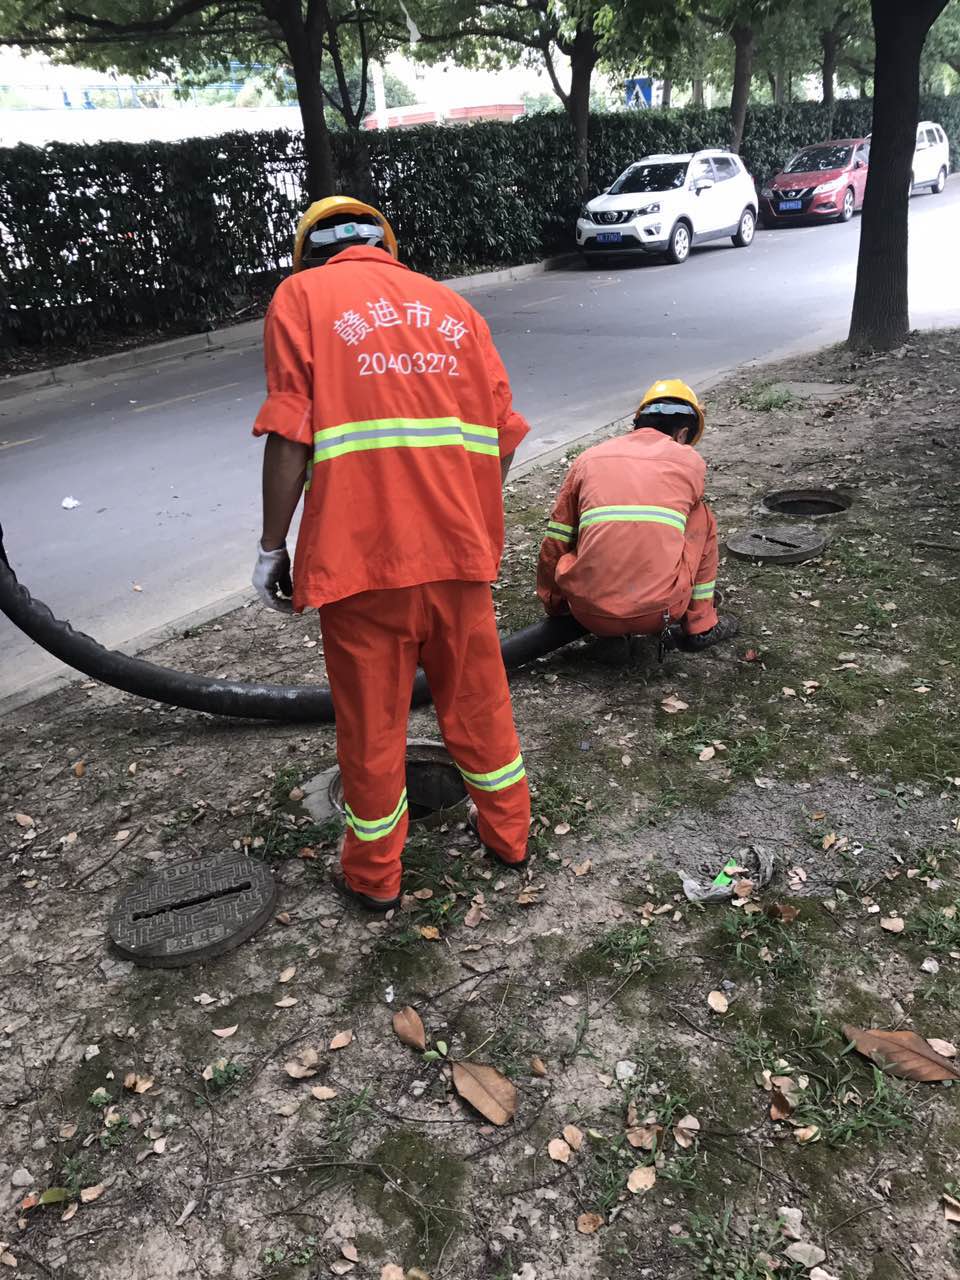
x: 893, y: 924
x: 808, y: 1255
x: 707, y: 754
x: 69, y: 1211
x: 342, y: 1267
x: 341, y: 1040
x: 408, y: 1028
x: 538, y: 1067
x: 160, y: 1146
x: 644, y: 1137
x: 89, y: 1194
x: 573, y: 1136
x: 286, y: 1003
x: 282, y: 917
x: 902, y: 1053
x: 783, y: 911
x: 673, y: 705
x: 718, y: 1002
x: 562, y: 829
x: 68, y: 1130
x: 390, y: 1271
x: 322, y: 1092
x: 807, y: 1133
x: 685, y: 1131
x: 303, y: 1066
x: 489, y: 1092
x: 473, y: 916
x: 951, y: 1208
x: 23, y: 820
x: 642, y: 1178
x: 79, y: 769
x: 137, y: 1084
x: 225, y: 1032
x: 558, y: 1150
x: 423, y: 895
x: 582, y: 868
x: 287, y: 973
x: 349, y: 1251
x: 588, y: 1223
x: 8, y: 1259
x: 943, y: 1047
x: 429, y: 931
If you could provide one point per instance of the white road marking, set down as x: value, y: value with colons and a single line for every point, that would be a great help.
x: 13, y: 444
x: 162, y: 404
x: 541, y: 302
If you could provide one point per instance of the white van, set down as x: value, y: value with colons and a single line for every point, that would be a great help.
x: 931, y: 159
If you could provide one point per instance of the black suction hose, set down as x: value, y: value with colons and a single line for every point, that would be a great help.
x: 294, y: 703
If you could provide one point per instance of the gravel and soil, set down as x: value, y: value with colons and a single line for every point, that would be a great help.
x: 826, y: 735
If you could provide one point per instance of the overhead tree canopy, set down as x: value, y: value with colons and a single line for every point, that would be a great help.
x: 327, y: 45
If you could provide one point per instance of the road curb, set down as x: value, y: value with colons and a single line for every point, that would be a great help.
x: 232, y: 337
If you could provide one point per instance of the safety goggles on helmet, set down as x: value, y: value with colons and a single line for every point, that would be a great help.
x: 323, y: 237
x: 669, y: 408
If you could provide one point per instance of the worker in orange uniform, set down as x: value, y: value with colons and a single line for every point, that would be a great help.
x: 631, y: 547
x: 389, y: 405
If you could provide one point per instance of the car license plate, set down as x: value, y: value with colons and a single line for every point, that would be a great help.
x: 610, y: 237
x: 789, y: 204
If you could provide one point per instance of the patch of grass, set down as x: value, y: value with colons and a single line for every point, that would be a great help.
x: 226, y: 1075
x: 627, y: 949
x: 936, y: 928
x: 763, y: 397
x: 74, y: 1174
x: 843, y: 1096
x: 764, y: 947
x: 728, y: 1252
x: 115, y: 1133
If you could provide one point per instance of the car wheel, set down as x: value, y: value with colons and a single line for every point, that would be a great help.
x: 748, y: 225
x: 678, y: 250
x: 941, y: 181
x: 846, y: 211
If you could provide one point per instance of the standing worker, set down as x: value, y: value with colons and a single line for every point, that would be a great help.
x: 389, y: 406
x: 631, y: 547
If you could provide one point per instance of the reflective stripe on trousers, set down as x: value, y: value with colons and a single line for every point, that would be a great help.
x: 499, y: 778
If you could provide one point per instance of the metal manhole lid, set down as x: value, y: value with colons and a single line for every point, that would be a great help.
x: 777, y: 544
x: 193, y: 910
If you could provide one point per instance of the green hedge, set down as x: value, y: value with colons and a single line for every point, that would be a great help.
x: 128, y: 237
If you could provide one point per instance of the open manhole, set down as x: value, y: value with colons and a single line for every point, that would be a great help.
x: 807, y: 502
x: 777, y: 544
x: 192, y: 910
x: 435, y: 790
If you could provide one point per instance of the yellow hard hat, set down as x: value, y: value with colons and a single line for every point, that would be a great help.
x: 330, y: 207
x: 674, y: 389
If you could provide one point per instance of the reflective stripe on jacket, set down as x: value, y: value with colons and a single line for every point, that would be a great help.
x: 614, y: 544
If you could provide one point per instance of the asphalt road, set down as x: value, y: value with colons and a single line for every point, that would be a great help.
x: 167, y: 474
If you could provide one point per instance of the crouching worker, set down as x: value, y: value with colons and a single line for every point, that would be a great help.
x: 631, y: 547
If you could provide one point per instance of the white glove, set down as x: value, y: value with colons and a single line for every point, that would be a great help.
x: 272, y: 574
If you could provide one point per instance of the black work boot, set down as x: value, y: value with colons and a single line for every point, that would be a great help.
x: 726, y: 628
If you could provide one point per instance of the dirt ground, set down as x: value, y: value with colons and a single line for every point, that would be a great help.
x: 825, y: 736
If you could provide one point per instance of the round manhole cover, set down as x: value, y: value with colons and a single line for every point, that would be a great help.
x: 777, y: 544
x: 193, y: 910
x: 807, y: 502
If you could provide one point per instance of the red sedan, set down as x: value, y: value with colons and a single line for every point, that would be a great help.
x: 823, y: 181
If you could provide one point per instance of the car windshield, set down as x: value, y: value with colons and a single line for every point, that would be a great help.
x: 650, y: 177
x: 815, y: 158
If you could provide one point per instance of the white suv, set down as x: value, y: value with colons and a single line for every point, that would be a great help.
x: 931, y: 160
x: 666, y: 204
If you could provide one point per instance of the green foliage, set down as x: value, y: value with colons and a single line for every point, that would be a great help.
x: 120, y: 238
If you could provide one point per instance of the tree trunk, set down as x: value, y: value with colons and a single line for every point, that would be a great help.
x: 880, y: 318
x: 828, y: 65
x: 583, y: 58
x: 697, y: 99
x: 774, y: 86
x: 743, y: 43
x: 305, y: 62
x: 667, y: 93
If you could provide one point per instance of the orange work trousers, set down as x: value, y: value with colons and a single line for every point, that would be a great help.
x: 699, y: 572
x: 373, y: 643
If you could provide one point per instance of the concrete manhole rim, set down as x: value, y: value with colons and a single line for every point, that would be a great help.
x: 170, y: 948
x: 836, y: 501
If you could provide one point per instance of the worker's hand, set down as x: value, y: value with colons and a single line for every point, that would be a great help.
x: 272, y: 575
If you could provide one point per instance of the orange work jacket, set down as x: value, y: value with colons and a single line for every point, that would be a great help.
x: 615, y: 541
x: 394, y: 383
